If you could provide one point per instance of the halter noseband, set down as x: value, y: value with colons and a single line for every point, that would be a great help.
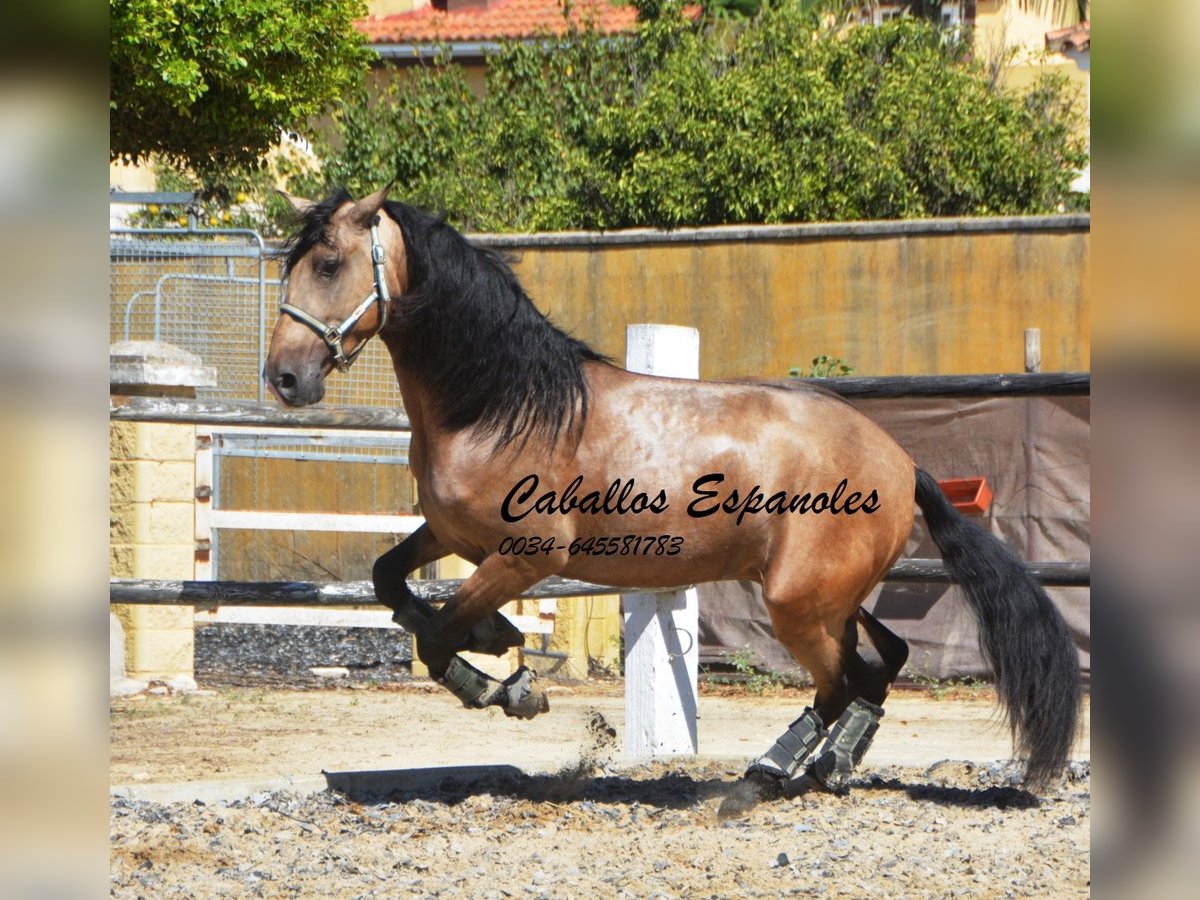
x: 332, y: 335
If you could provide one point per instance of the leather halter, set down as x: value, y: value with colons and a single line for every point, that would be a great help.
x: 332, y: 335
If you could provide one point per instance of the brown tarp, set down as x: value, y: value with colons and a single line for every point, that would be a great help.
x: 1034, y: 453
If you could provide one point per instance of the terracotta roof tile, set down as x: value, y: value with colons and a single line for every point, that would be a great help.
x: 501, y: 19
x: 1076, y: 37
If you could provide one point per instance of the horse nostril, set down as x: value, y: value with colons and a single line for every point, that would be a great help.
x: 286, y: 382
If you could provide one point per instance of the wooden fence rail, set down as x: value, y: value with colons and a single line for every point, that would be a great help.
x: 211, y: 594
x: 244, y: 413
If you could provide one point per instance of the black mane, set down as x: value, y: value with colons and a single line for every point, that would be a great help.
x: 491, y: 359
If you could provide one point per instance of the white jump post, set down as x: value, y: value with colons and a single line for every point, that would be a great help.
x: 661, y: 653
x: 1033, y: 349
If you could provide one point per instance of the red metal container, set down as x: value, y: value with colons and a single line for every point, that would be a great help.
x: 970, y: 496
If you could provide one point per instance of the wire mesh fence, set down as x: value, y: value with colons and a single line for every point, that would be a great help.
x: 215, y: 293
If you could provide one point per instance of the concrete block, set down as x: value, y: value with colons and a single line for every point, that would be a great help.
x: 159, y: 618
x: 164, y: 561
x: 120, y: 560
x: 121, y: 483
x: 182, y: 684
x: 156, y: 369
x: 604, y: 631
x: 123, y: 611
x: 164, y: 480
x: 126, y: 687
x: 570, y: 637
x: 116, y: 648
x: 164, y: 522
x: 122, y: 440
x: 162, y: 442
x: 160, y: 655
x: 121, y: 524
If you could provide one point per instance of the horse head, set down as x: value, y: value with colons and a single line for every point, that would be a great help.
x: 343, y: 268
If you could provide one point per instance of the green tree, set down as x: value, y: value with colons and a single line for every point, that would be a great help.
x: 211, y: 84
x: 780, y: 120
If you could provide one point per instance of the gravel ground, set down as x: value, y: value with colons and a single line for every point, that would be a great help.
x: 953, y: 830
x: 284, y: 655
x: 595, y: 827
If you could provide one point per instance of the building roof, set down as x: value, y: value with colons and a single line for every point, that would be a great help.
x: 499, y: 19
x: 1075, y: 38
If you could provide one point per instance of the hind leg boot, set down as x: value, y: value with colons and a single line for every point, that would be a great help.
x: 845, y: 746
x: 791, y: 748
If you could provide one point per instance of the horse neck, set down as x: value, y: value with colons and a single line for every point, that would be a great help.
x: 413, y: 393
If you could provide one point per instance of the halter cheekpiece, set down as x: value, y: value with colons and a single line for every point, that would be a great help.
x: 332, y: 335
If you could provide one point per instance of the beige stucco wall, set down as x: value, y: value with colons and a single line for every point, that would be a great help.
x: 1016, y: 32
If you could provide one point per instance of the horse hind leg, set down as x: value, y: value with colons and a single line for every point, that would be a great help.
x: 871, y: 668
x: 851, y: 686
x: 821, y: 650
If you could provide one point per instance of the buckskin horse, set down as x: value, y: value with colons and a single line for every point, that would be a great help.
x: 535, y: 456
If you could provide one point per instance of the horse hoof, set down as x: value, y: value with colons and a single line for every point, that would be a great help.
x: 525, y: 699
x: 494, y: 636
x: 754, y: 788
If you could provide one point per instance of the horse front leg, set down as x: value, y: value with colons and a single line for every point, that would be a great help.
x: 453, y: 628
x: 390, y: 573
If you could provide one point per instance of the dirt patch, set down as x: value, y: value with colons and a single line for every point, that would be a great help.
x: 564, y: 815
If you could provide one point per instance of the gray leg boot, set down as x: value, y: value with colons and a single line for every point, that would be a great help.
x: 847, y: 742
x: 792, y: 747
x: 518, y: 696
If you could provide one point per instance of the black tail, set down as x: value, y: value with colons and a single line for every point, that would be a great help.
x: 1022, y: 635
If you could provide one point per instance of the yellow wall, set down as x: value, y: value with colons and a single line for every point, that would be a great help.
x: 920, y: 304
x: 381, y: 8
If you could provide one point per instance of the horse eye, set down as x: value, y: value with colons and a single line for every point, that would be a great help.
x: 328, y: 268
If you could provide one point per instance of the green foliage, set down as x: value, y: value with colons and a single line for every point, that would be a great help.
x: 780, y: 119
x: 239, y: 199
x: 823, y: 366
x: 754, y: 681
x: 210, y: 86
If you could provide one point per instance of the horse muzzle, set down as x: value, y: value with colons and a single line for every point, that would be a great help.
x: 295, y: 385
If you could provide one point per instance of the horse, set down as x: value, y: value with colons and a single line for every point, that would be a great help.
x: 536, y: 456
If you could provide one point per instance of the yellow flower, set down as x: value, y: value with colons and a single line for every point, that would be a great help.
x: 152, y: 209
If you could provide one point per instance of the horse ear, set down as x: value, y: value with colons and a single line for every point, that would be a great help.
x: 368, y: 207
x: 299, y: 204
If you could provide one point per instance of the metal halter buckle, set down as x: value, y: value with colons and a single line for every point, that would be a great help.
x: 333, y: 335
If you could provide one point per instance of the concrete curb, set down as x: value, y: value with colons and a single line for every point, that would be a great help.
x: 217, y: 791
x: 363, y: 785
